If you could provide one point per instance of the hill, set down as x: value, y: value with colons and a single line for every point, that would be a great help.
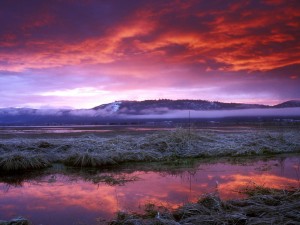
x: 141, y: 110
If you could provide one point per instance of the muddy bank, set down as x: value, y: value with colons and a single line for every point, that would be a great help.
x: 264, y: 206
x: 19, y: 153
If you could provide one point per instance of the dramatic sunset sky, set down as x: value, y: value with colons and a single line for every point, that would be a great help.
x: 84, y: 53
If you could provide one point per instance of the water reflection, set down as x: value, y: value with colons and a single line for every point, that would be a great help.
x: 73, y: 129
x: 79, y: 197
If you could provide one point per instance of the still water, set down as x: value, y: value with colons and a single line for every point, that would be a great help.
x: 76, y: 197
x: 83, y: 129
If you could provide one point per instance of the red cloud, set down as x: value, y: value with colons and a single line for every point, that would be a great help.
x: 239, y: 37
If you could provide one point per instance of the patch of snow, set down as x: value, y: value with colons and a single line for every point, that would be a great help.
x: 115, y: 106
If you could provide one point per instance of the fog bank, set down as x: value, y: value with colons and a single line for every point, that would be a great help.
x: 220, y: 113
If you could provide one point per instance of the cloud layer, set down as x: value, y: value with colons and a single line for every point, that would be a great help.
x: 83, y: 53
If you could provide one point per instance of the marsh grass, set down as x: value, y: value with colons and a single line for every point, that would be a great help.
x: 13, y: 179
x: 253, y: 189
x: 100, y: 151
x: 86, y: 159
x: 22, y: 161
x: 263, y: 206
x: 112, y: 179
x: 173, y: 142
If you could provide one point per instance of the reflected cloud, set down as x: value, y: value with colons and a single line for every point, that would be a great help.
x: 237, y: 182
x: 81, y: 198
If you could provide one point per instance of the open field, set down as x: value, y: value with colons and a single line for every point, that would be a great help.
x: 21, y: 152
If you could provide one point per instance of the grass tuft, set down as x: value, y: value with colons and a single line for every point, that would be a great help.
x: 254, y: 189
x: 23, y: 161
x: 86, y: 159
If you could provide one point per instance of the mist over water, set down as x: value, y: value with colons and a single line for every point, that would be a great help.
x: 91, y: 116
x: 220, y: 113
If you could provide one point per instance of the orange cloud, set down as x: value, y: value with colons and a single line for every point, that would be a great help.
x: 102, y: 49
x: 236, y: 61
x: 231, y: 41
x: 239, y: 37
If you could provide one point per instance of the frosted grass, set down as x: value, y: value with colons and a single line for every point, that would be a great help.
x: 96, y: 151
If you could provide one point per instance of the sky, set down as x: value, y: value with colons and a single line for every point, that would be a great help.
x: 83, y: 53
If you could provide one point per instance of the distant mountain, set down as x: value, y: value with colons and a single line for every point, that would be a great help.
x: 161, y: 106
x: 288, y: 104
x: 123, y: 110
